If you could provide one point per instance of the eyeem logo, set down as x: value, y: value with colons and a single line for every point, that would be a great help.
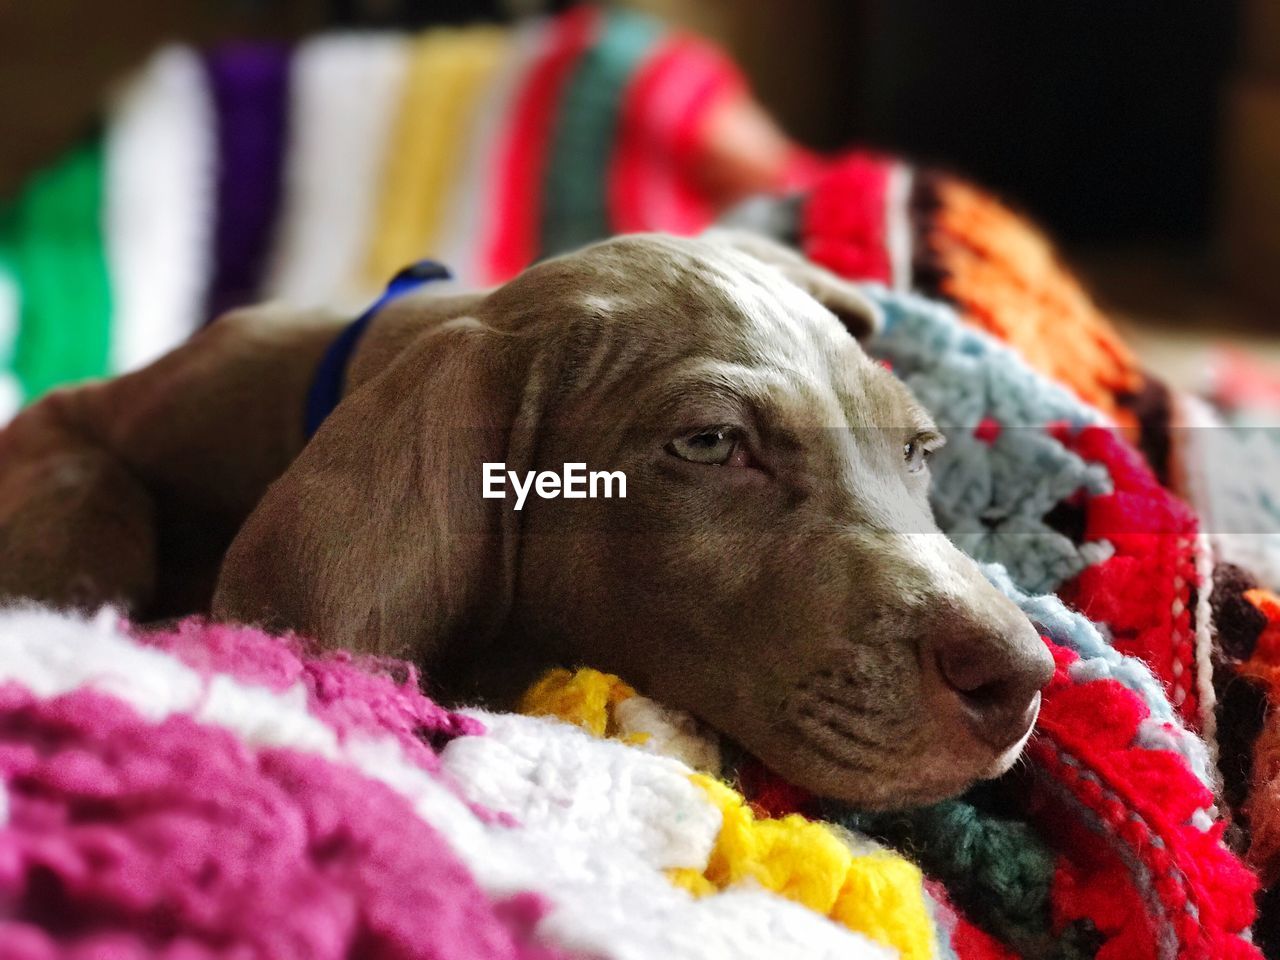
x: 575, y: 483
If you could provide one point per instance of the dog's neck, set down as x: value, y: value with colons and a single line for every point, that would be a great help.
x: 331, y: 374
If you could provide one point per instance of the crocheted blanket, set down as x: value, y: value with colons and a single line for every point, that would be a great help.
x: 212, y: 786
x: 212, y: 791
x: 313, y: 172
x: 1067, y: 466
x: 1190, y: 592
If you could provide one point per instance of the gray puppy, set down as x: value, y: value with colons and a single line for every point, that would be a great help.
x: 774, y: 567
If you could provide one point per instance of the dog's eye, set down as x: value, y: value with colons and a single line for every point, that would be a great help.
x: 716, y: 446
x: 916, y: 451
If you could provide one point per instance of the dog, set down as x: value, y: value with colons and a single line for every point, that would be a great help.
x: 774, y: 567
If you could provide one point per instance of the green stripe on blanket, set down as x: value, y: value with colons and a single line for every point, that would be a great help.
x: 576, y: 190
x: 53, y: 242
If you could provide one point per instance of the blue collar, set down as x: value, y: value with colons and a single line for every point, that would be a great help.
x: 326, y: 388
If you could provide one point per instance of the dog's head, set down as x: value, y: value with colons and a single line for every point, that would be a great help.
x: 774, y: 567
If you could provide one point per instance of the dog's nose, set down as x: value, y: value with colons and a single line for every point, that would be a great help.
x: 995, y: 676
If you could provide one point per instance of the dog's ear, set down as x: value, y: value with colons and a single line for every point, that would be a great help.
x: 845, y: 299
x: 377, y: 537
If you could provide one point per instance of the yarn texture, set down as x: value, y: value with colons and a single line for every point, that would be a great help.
x: 483, y: 147
x: 214, y: 791
x: 1132, y: 543
x: 1173, y: 589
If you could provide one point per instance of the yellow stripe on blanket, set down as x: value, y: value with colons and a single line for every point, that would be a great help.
x: 876, y: 893
x: 448, y: 71
x: 585, y: 698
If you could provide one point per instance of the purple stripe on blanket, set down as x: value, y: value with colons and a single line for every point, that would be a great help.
x: 250, y: 89
x: 124, y: 837
x: 374, y: 696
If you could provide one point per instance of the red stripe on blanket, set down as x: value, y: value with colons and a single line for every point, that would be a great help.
x: 522, y: 157
x: 1134, y: 864
x: 1144, y: 593
x: 653, y: 182
x: 845, y: 217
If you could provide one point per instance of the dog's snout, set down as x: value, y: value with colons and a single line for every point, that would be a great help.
x: 993, y: 675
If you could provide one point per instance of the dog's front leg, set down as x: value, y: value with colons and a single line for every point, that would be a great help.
x: 76, y: 527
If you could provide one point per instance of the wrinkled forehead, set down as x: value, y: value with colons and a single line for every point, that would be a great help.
x: 670, y: 298
x: 689, y: 316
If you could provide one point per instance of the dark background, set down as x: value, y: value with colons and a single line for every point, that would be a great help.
x: 1132, y: 129
x: 1102, y: 118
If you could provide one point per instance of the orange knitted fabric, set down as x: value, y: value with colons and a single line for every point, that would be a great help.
x: 1003, y: 275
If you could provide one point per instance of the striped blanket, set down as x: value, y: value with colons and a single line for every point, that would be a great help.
x: 208, y: 790
x: 313, y: 172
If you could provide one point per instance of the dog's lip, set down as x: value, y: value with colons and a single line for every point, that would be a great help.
x: 1029, y: 716
x: 950, y: 776
x: 828, y: 751
x: 815, y: 712
x: 871, y: 786
x: 934, y: 792
x: 879, y: 789
x: 1005, y: 760
x: 838, y: 758
x: 879, y: 777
